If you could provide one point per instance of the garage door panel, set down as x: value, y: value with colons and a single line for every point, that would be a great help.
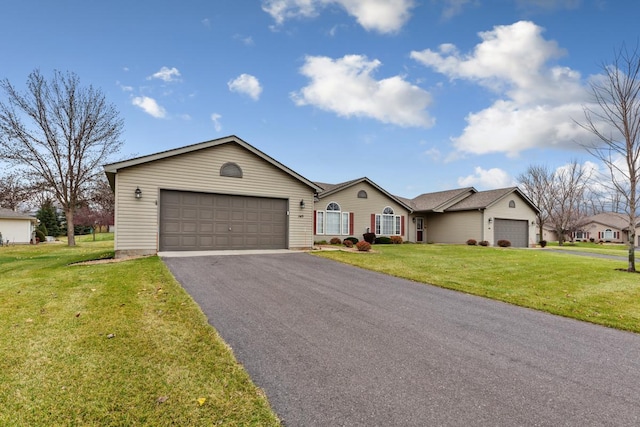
x: 237, y: 215
x: 205, y: 227
x: 204, y: 221
x: 206, y: 214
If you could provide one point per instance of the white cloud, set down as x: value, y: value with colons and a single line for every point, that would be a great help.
x: 454, y: 7
x: 487, y: 179
x: 246, y: 84
x: 246, y: 40
x: 215, y: 118
x: 166, y: 74
x: 347, y: 87
x: 124, y: 88
x: 149, y: 106
x: 384, y: 16
x: 539, y: 101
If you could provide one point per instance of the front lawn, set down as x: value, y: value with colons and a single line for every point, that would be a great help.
x: 579, y: 287
x: 111, y: 344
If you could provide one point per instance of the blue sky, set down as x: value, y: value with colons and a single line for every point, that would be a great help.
x: 418, y: 95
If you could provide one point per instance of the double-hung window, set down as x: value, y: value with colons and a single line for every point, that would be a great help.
x: 387, y: 223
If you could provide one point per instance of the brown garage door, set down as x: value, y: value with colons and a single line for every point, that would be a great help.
x: 203, y: 221
x: 515, y: 231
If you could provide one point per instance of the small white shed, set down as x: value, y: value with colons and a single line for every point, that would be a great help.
x: 16, y: 227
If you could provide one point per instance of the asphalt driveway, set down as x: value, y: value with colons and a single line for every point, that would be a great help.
x: 334, y: 345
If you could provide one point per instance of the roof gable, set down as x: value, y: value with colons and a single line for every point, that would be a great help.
x: 329, y: 189
x: 441, y: 200
x: 112, y: 169
x: 486, y: 199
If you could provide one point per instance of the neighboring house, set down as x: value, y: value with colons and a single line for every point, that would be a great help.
x: 355, y: 207
x: 220, y: 194
x: 17, y: 227
x: 226, y: 194
x: 610, y: 227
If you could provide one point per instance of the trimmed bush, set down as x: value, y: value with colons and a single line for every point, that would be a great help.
x: 383, y: 240
x: 320, y: 242
x: 396, y: 240
x: 472, y: 242
x: 484, y: 243
x: 504, y: 243
x: 347, y: 243
x: 40, y: 236
x: 363, y: 246
x: 353, y: 240
x: 543, y: 243
x: 335, y: 241
x: 369, y: 237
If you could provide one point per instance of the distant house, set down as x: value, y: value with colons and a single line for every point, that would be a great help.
x: 16, y: 227
x: 606, y: 227
x: 610, y: 227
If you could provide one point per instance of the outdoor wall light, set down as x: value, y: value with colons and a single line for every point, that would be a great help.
x: 414, y: 219
x: 490, y: 220
x: 301, y: 204
x: 138, y: 193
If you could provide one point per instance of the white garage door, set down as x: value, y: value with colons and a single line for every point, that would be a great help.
x: 515, y: 231
x: 202, y: 221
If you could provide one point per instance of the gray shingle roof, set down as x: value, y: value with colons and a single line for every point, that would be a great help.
x: 612, y: 219
x: 439, y: 200
x: 481, y: 199
x: 9, y: 214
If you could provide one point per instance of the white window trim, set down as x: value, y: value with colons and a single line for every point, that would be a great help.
x: 343, y: 223
x: 396, y: 223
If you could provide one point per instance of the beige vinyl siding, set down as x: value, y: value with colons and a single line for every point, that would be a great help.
x: 454, y: 227
x: 15, y: 230
x: 362, y: 209
x: 137, y: 219
x: 522, y: 211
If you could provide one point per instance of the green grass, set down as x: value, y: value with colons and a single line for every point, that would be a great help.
x: 605, y: 248
x: 583, y: 288
x: 58, y: 365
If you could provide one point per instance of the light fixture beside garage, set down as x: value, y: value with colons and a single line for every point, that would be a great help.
x: 301, y: 204
x: 138, y: 193
x: 490, y: 220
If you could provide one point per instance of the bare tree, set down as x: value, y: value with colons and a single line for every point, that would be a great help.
x: 61, y: 132
x: 536, y: 184
x: 567, y: 199
x: 14, y: 191
x: 560, y: 196
x: 614, y: 119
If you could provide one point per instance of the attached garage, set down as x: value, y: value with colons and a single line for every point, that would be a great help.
x: 222, y: 194
x: 204, y: 221
x: 513, y: 230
